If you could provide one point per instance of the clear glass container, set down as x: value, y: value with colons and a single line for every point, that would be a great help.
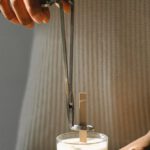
x: 71, y: 141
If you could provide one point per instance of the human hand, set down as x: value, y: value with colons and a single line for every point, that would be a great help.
x: 26, y: 12
x: 139, y: 144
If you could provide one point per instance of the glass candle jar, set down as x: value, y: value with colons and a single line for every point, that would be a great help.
x: 71, y: 141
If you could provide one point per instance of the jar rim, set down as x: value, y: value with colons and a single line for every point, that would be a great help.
x: 68, y: 135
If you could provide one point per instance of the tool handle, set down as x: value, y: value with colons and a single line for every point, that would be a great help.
x: 47, y: 3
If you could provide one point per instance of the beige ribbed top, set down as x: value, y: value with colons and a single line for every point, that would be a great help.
x: 112, y: 64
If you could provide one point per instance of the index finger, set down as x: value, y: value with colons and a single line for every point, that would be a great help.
x: 36, y: 11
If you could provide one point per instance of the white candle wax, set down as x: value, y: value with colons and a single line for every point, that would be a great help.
x: 75, y: 144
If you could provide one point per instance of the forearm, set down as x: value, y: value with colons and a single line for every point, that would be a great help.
x: 148, y: 137
x: 142, y: 143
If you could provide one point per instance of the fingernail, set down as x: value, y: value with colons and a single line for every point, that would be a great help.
x: 15, y: 21
x: 36, y: 19
x: 57, y: 5
x: 45, y: 20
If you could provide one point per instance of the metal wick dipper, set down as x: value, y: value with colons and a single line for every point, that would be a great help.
x: 68, y: 67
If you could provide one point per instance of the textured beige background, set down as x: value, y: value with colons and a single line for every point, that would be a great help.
x: 112, y: 64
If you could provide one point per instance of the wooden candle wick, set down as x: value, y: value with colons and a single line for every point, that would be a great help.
x: 83, y: 116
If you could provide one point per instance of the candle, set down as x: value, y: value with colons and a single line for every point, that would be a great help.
x: 74, y: 144
x: 71, y: 141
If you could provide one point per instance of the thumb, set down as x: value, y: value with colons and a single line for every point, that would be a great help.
x: 66, y: 6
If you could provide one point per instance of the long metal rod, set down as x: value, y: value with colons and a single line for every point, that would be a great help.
x: 68, y: 67
x: 71, y: 44
x: 64, y: 43
x: 71, y: 62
